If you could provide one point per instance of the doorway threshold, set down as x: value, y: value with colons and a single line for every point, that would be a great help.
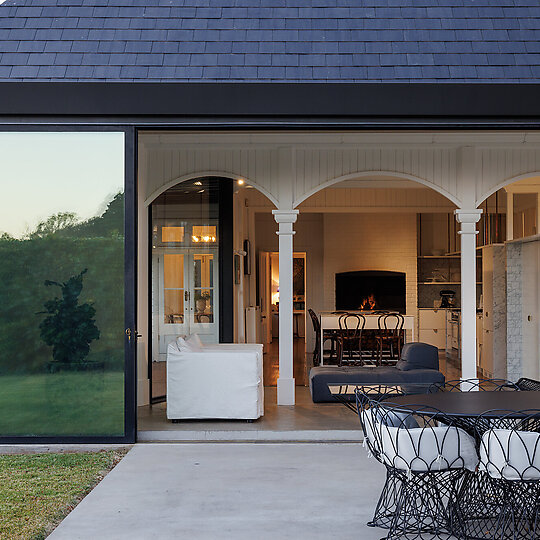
x: 304, y: 422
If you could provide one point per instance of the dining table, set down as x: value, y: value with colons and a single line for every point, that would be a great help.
x: 329, y: 321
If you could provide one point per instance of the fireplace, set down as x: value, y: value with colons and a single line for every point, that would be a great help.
x: 370, y: 290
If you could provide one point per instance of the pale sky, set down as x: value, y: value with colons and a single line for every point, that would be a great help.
x: 45, y: 173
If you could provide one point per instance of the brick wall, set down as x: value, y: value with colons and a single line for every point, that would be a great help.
x: 370, y: 242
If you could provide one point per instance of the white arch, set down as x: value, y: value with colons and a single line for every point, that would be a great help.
x: 201, y: 174
x: 363, y: 174
x: 505, y: 183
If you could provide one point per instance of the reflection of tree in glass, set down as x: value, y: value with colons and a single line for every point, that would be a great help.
x: 70, y: 327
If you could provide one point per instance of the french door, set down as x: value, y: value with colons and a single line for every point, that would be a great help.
x: 186, y: 283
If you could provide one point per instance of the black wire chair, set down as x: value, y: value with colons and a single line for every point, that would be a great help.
x: 473, y: 385
x: 530, y: 385
x: 429, y: 462
x: 366, y: 396
x: 503, y: 499
x: 349, y: 339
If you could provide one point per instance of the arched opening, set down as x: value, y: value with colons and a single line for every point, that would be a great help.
x: 509, y: 341
x: 190, y: 268
x: 381, y: 226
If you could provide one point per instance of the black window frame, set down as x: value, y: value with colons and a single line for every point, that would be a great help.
x: 130, y: 277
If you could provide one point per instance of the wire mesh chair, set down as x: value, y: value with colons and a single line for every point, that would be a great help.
x: 390, y: 327
x: 530, y: 385
x: 366, y: 396
x: 473, y: 385
x: 349, y: 339
x: 504, y: 500
x: 429, y: 462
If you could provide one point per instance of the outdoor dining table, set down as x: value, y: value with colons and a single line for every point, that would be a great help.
x: 465, y: 407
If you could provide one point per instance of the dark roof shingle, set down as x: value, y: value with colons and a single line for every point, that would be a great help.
x: 271, y: 40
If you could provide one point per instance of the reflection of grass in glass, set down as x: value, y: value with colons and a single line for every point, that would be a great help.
x: 63, y: 403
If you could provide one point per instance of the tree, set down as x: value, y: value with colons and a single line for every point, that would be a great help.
x: 70, y: 327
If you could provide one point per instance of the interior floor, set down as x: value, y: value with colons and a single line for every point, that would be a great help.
x: 300, y: 364
x: 305, y: 415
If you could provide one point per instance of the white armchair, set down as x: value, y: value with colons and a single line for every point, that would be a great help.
x: 222, y: 381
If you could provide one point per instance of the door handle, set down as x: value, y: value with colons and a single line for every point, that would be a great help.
x: 186, y: 296
x: 132, y: 333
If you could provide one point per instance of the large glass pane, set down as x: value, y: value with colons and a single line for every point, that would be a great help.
x: 62, y: 275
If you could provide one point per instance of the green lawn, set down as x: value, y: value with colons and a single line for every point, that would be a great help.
x: 38, y: 490
x: 63, y: 403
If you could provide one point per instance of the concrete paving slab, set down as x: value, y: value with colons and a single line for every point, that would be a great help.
x: 232, y: 491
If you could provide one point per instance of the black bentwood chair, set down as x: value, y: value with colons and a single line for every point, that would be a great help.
x: 510, y: 476
x: 349, y: 339
x: 317, y: 353
x: 389, y: 336
x: 430, y: 461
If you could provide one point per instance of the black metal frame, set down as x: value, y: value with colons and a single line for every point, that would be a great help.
x: 134, y: 107
x: 130, y: 281
x: 499, y: 500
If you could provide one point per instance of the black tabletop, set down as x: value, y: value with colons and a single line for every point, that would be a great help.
x: 467, y: 404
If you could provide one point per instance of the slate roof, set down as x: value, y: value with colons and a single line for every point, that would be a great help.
x: 271, y: 40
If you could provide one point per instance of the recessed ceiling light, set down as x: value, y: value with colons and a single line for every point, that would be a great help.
x: 197, y: 183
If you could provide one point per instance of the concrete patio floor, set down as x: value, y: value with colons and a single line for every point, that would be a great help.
x: 234, y: 491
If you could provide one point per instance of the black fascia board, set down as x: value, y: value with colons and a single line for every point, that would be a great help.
x: 272, y: 103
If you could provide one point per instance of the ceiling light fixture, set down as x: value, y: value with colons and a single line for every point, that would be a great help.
x: 241, y: 182
x: 197, y: 183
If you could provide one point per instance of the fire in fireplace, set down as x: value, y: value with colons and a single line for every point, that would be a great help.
x: 370, y: 290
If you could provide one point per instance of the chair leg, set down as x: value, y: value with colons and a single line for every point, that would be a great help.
x: 387, y: 503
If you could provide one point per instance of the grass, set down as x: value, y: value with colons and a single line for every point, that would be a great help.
x: 62, y: 403
x: 38, y: 490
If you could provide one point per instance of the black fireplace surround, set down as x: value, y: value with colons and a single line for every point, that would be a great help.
x: 354, y: 288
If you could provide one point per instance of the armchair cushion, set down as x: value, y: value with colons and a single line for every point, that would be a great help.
x: 510, y: 454
x: 428, y: 448
x: 418, y: 356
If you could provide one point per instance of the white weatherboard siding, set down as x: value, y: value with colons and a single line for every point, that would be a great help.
x: 292, y: 168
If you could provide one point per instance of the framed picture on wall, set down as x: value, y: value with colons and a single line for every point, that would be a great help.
x: 236, y: 269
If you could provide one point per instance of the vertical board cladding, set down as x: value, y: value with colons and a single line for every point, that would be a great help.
x: 502, y: 166
x: 319, y: 168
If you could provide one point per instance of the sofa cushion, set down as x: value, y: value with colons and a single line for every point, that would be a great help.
x: 190, y: 344
x: 321, y: 376
x: 418, y: 356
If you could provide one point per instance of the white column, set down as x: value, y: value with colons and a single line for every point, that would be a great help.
x: 509, y: 215
x: 285, y: 383
x: 468, y: 220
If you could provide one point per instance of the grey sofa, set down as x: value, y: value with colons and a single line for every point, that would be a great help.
x: 418, y: 365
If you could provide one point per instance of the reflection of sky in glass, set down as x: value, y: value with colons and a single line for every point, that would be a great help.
x: 45, y: 173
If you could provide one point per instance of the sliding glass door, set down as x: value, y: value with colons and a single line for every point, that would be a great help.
x: 63, y: 341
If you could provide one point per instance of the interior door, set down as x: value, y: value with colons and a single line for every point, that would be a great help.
x: 265, y: 293
x: 203, y: 295
x: 186, y: 283
x: 174, y: 308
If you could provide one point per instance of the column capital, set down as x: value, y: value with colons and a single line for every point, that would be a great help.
x: 285, y: 216
x: 468, y: 216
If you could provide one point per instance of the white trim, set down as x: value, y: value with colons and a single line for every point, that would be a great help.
x: 364, y: 174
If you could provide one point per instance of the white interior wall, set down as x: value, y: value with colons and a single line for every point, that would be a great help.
x: 308, y: 239
x: 370, y: 242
